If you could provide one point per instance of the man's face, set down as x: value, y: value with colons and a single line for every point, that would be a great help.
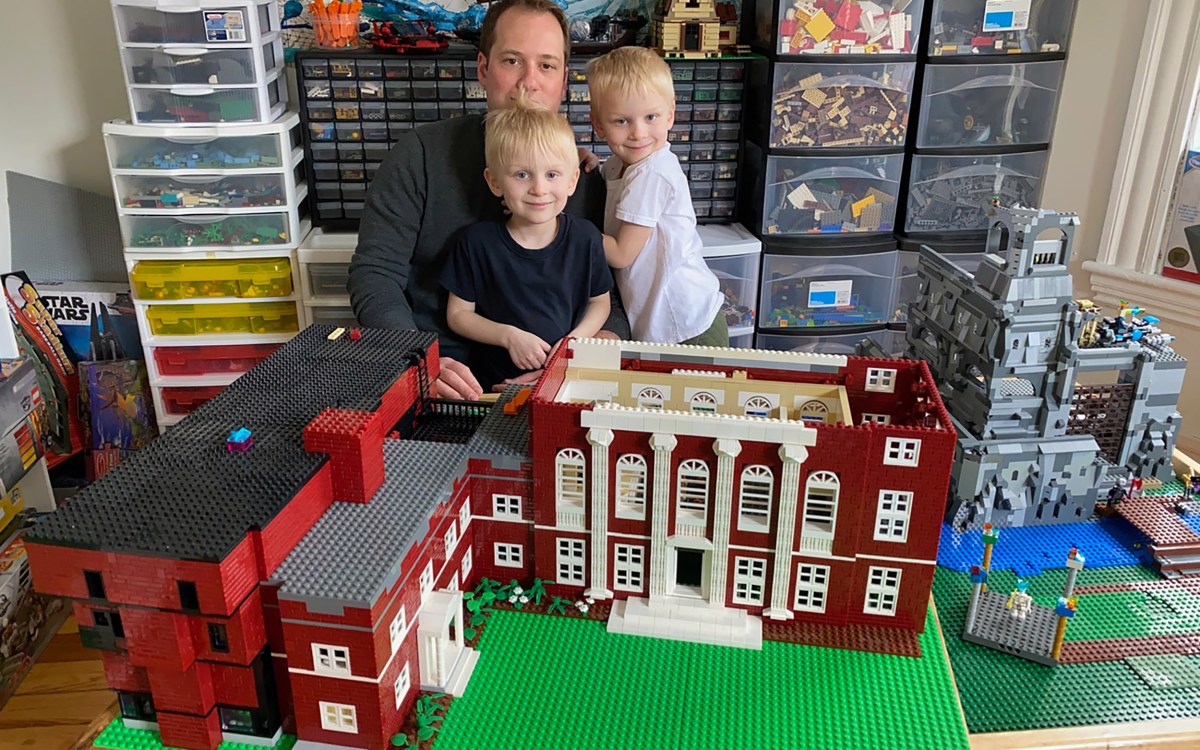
x: 527, y: 53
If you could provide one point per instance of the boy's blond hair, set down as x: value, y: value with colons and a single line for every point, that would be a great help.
x: 632, y: 71
x: 527, y: 128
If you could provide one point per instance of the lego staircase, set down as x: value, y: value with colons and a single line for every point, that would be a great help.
x: 1175, y: 546
x: 686, y: 620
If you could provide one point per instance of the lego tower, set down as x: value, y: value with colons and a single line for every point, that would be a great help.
x: 1005, y: 347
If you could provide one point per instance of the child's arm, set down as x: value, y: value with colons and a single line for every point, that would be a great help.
x: 621, y: 251
x: 526, y: 350
x: 593, y: 317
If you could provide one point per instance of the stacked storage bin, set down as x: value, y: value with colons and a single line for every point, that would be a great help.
x: 826, y: 165
x: 988, y: 95
x: 355, y: 104
x: 209, y: 186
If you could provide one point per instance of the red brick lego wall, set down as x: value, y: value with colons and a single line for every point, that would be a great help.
x: 280, y: 536
x: 121, y: 674
x: 189, y: 732
x: 366, y: 697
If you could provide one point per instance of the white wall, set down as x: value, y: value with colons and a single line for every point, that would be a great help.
x: 1091, y: 117
x: 62, y: 80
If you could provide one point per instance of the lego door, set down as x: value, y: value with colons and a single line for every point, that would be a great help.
x: 691, y: 37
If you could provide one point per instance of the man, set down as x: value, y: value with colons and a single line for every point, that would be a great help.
x: 431, y: 185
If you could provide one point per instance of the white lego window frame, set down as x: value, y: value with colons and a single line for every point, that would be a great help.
x: 338, y: 717
x: 819, y: 519
x: 451, y: 538
x: 868, y: 417
x: 570, y: 561
x: 330, y: 659
x: 632, y: 480
x: 902, y: 452
x: 881, y: 380
x: 705, y: 402
x: 650, y: 397
x: 628, y: 567
x: 892, y: 516
x: 749, y: 580
x: 507, y: 555
x: 813, y: 411
x: 467, y: 562
x: 883, y: 591
x: 464, y: 515
x: 506, y: 506
x: 402, y: 685
x: 755, y: 492
x: 570, y: 482
x: 397, y: 627
x: 692, y: 492
x: 758, y: 406
x: 812, y: 587
x: 426, y: 581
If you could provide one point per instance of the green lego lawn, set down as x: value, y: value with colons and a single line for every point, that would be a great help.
x: 1002, y: 693
x: 117, y: 737
x: 544, y: 681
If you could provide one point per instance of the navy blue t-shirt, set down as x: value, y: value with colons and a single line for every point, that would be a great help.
x: 544, y: 292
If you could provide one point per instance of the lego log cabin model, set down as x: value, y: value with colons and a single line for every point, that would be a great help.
x: 222, y: 568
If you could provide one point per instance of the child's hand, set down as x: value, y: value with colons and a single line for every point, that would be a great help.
x: 526, y: 350
x: 587, y: 160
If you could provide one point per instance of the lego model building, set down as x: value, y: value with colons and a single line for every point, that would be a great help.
x: 686, y: 28
x: 1007, y: 346
x: 289, y: 556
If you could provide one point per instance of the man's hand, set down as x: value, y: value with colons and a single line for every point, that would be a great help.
x: 526, y: 350
x: 455, y: 381
x: 528, y: 378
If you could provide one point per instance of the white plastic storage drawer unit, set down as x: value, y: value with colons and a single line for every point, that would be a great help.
x: 733, y: 254
x: 197, y: 62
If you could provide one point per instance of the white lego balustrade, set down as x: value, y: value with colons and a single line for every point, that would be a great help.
x: 605, y: 354
x: 698, y: 424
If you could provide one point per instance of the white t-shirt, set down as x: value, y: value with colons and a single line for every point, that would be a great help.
x: 668, y: 291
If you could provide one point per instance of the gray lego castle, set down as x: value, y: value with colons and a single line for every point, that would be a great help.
x: 1007, y: 347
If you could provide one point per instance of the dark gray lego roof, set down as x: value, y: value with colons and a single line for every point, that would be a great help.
x: 355, y: 549
x: 186, y: 497
x: 500, y: 434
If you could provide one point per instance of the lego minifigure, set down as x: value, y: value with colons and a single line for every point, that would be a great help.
x: 1118, y: 493
x: 1019, y: 601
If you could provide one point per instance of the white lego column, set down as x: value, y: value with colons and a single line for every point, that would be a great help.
x: 727, y: 451
x: 793, y: 456
x: 663, y: 444
x: 599, y: 438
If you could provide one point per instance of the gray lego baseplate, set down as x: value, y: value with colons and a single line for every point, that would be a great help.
x: 997, y: 628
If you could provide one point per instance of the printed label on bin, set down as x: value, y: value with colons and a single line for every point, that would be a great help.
x: 829, y: 293
x: 1006, y: 15
x: 225, y: 26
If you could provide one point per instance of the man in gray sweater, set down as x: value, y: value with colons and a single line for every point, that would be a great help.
x: 431, y: 185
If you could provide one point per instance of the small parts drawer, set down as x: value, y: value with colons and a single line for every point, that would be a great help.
x: 168, y: 279
x: 204, y: 193
x: 240, y: 317
x: 181, y: 400
x: 210, y: 360
x: 193, y: 232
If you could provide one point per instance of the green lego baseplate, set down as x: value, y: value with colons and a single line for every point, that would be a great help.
x: 1001, y: 693
x: 545, y: 681
x: 117, y: 736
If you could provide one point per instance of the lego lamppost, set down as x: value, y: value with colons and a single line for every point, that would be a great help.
x: 990, y: 536
x: 1066, y: 603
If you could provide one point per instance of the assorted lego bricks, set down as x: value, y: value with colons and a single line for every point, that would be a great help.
x: 988, y: 27
x: 950, y: 193
x: 841, y: 27
x: 996, y: 104
x: 202, y: 62
x: 355, y: 105
x: 804, y: 291
x: 831, y: 194
x: 840, y: 105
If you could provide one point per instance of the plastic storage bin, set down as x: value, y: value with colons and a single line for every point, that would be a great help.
x: 183, y: 400
x: 950, y: 193
x: 733, y: 254
x: 194, y: 279
x: 145, y: 149
x: 238, y: 317
x: 973, y: 27
x: 989, y: 105
x: 209, y: 360
x: 167, y: 66
x: 892, y: 341
x: 208, y: 231
x: 881, y: 27
x: 334, y: 315
x: 808, y: 291
x: 195, y: 22
x: 204, y: 192
x: 206, y: 105
x: 831, y: 194
x: 843, y: 105
x: 325, y: 265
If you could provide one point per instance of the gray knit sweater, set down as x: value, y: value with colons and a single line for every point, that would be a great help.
x: 428, y: 188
